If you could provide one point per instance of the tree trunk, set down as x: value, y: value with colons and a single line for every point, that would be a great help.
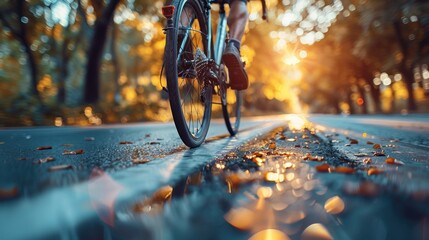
x: 115, y: 63
x: 408, y: 76
x: 350, y: 102
x: 407, y: 71
x: 20, y: 33
x: 33, y: 69
x: 95, y: 53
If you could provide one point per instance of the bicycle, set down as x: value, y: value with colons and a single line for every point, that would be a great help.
x: 194, y: 69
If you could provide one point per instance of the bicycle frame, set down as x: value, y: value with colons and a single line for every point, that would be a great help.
x: 220, y: 33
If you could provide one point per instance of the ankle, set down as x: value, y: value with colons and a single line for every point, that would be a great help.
x: 235, y: 42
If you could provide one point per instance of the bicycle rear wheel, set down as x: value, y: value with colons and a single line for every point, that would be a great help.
x: 231, y: 101
x: 190, y: 105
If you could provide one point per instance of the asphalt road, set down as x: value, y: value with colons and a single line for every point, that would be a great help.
x: 47, y: 202
x: 51, y: 203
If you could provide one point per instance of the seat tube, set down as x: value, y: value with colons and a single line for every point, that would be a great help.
x: 220, y: 34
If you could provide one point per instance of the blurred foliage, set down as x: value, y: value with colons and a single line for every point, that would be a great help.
x: 70, y: 62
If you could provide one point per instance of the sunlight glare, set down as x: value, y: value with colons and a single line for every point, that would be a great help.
x: 295, y: 122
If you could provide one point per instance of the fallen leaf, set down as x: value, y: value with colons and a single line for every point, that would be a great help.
x: 361, y: 154
x: 334, y: 205
x: 391, y: 160
x: 125, y: 142
x: 231, y: 155
x: 367, y: 160
x: 272, y: 145
x: 309, y: 157
x: 346, y: 170
x: 297, y: 146
x: 45, y: 160
x: 353, y: 141
x: 60, y: 167
x: 8, y: 192
x: 259, y: 154
x: 323, y: 168
x: 154, y: 143
x: 140, y: 161
x: 44, y: 148
x: 316, y: 231
x: 156, y: 201
x: 76, y: 152
x: 374, y: 171
x: 376, y: 146
x: 272, y: 234
x: 241, y: 218
x: 369, y: 143
x: 379, y: 153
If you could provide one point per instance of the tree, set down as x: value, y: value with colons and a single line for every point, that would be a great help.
x: 17, y: 19
x: 104, y: 16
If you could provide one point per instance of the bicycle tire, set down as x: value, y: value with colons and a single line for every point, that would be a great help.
x: 191, y: 109
x: 231, y: 101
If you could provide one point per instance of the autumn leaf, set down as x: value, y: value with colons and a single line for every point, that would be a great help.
x: 379, y: 153
x: 367, y: 160
x: 59, y: 167
x: 353, y: 141
x: 376, y: 146
x: 241, y: 218
x: 76, y: 152
x: 272, y: 145
x: 8, y: 192
x: 231, y: 155
x: 334, y: 205
x: 140, y: 161
x: 346, y: 170
x: 374, y: 171
x: 45, y: 160
x: 369, y: 143
x: 391, y: 160
x: 272, y: 234
x: 361, y: 154
x: 44, y: 148
x: 316, y: 231
x: 323, y: 168
x: 125, y: 142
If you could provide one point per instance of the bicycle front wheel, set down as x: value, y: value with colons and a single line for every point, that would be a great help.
x: 231, y: 101
x: 190, y: 104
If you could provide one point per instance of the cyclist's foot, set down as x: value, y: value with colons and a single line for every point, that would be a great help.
x: 238, y: 79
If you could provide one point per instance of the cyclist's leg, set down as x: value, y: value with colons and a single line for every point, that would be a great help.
x: 237, y: 21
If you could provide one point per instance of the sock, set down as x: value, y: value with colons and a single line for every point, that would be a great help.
x: 235, y: 42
